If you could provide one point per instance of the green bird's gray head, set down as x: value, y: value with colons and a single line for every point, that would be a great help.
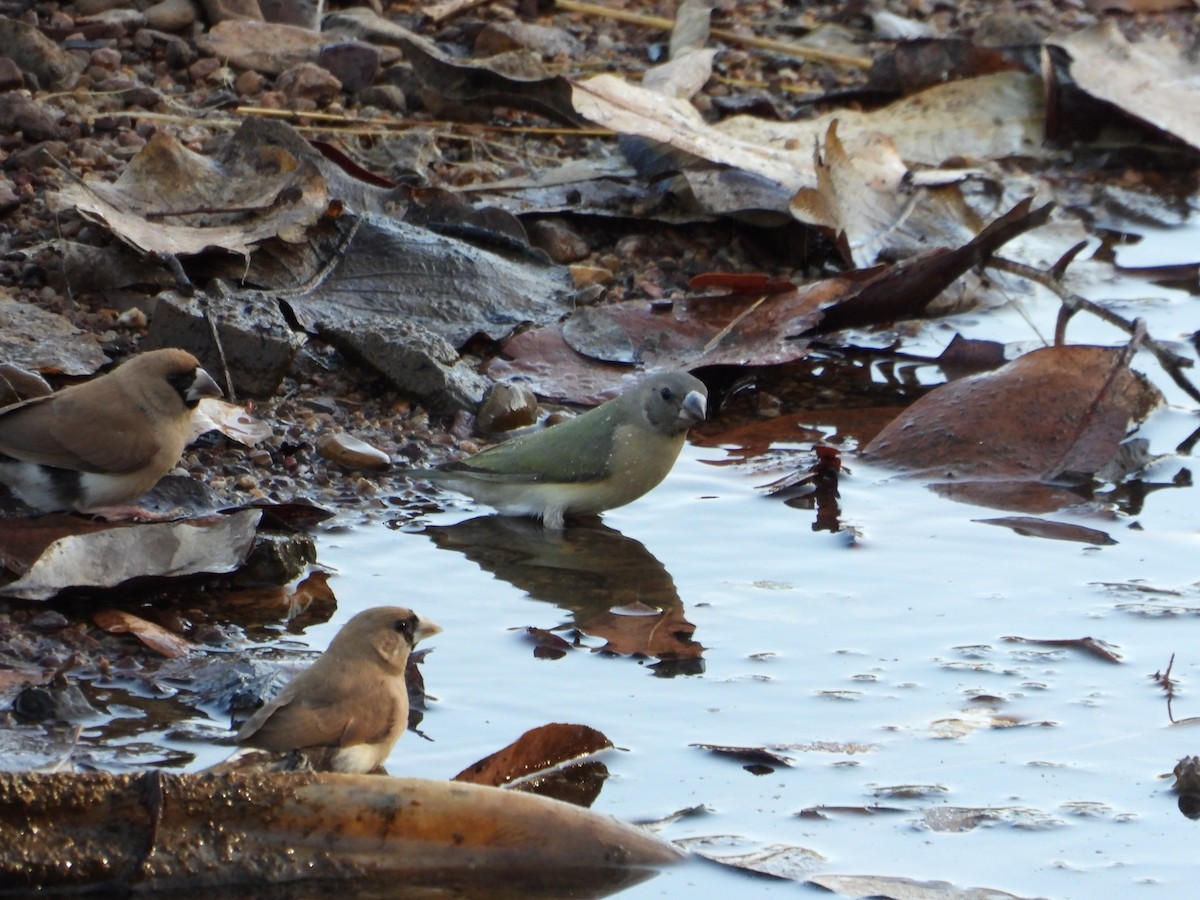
x: 672, y: 402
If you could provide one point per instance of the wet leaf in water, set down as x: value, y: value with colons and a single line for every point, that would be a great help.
x: 1055, y: 410
x: 688, y: 812
x: 825, y: 812
x: 958, y: 819
x: 153, y: 636
x: 1030, y: 497
x: 578, y: 783
x: 976, y: 719
x: 754, y: 755
x: 904, y: 888
x: 1089, y: 645
x: 535, y: 751
x: 910, y: 791
x: 781, y: 861
x: 548, y: 644
x: 1055, y: 531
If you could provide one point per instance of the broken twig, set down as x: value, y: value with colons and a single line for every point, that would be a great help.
x: 1171, y: 362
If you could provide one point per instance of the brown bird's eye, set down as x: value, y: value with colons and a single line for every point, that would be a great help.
x: 404, y: 626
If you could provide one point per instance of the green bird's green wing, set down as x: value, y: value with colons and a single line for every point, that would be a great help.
x: 577, y: 450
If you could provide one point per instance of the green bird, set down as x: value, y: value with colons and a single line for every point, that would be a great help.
x: 604, y: 458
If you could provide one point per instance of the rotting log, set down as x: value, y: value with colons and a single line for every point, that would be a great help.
x: 158, y: 831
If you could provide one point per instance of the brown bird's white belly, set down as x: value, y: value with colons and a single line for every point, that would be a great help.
x: 359, y: 758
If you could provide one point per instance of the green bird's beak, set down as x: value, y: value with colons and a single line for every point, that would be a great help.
x: 694, y: 408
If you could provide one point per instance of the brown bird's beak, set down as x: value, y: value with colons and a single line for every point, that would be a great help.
x: 203, y: 386
x: 424, y: 629
x: 694, y: 408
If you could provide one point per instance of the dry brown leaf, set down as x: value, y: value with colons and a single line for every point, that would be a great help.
x: 989, y: 117
x: 153, y: 636
x: 170, y: 200
x: 868, y: 203
x: 55, y: 552
x: 1153, y: 80
x: 233, y: 421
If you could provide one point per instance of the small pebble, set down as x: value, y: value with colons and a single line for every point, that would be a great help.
x: 506, y: 407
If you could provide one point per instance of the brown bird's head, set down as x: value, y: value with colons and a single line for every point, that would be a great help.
x: 176, y: 368
x: 385, y: 634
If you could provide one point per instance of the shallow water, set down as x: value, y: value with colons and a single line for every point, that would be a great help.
x: 938, y: 749
x: 891, y: 645
x: 879, y: 652
x: 1035, y: 769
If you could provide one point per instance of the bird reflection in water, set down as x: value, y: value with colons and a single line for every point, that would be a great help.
x: 614, y: 588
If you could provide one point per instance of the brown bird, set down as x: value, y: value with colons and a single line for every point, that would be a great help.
x: 106, y: 442
x: 346, y: 711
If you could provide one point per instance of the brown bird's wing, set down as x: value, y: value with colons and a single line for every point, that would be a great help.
x: 308, y: 715
x: 61, y: 430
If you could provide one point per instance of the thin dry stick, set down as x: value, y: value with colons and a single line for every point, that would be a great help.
x: 749, y: 40
x: 417, y: 123
x: 1171, y: 362
x: 737, y: 320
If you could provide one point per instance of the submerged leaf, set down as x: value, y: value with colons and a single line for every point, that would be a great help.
x: 1055, y: 531
x: 775, y: 860
x: 1087, y: 645
x: 903, y: 888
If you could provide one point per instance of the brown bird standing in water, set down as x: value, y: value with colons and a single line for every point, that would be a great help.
x: 346, y: 711
x: 101, y: 444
